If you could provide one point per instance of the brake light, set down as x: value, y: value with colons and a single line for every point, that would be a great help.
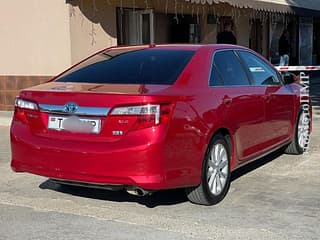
x: 20, y: 103
x: 20, y: 107
x: 140, y: 117
x: 146, y: 111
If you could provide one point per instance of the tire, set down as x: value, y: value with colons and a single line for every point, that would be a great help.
x: 301, y: 130
x: 215, y: 178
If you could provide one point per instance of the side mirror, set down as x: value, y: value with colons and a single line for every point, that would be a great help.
x: 289, y: 78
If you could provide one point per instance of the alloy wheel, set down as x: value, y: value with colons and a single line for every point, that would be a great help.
x: 303, y: 130
x: 218, y: 168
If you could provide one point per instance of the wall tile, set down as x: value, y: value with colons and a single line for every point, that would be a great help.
x: 10, y: 86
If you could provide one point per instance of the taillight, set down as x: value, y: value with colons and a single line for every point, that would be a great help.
x: 21, y: 106
x: 140, y: 117
x: 20, y: 103
x: 146, y: 111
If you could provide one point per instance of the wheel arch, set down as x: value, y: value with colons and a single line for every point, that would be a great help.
x: 201, y: 194
x: 227, y: 134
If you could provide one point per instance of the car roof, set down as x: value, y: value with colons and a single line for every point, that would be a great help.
x: 191, y: 47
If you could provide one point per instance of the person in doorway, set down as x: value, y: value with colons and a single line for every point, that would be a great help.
x: 227, y: 36
x: 284, y: 48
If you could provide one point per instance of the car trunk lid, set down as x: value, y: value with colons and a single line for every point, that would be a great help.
x: 75, y: 111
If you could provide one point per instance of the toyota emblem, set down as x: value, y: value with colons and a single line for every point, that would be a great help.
x: 71, y: 107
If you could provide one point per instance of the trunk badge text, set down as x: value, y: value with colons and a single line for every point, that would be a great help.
x: 117, y: 133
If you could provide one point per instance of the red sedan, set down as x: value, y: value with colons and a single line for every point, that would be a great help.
x: 148, y: 118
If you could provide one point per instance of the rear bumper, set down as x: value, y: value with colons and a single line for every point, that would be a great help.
x: 138, y: 161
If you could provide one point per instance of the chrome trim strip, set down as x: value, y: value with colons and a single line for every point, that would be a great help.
x: 86, y: 111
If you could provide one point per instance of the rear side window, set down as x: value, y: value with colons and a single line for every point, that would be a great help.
x: 261, y: 72
x: 230, y: 69
x: 215, y: 78
x: 146, y: 66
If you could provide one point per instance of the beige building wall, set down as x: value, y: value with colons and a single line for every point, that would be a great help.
x: 35, y: 37
x: 92, y: 27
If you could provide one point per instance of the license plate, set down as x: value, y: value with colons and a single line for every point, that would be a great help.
x: 74, y: 124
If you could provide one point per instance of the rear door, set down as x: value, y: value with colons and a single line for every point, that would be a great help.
x: 242, y: 103
x: 279, y: 98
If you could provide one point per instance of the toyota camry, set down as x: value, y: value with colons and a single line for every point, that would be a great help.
x: 149, y: 118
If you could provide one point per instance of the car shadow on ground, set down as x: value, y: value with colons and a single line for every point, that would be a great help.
x: 256, y: 164
x: 160, y: 198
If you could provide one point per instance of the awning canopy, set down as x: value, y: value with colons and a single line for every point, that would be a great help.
x: 304, y: 7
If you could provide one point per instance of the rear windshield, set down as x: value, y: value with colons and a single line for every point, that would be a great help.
x: 147, y: 66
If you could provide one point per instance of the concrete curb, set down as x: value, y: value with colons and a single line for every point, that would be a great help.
x: 5, y: 118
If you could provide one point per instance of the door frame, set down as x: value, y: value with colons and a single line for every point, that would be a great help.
x: 132, y: 33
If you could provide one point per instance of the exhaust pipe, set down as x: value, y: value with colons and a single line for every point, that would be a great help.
x: 138, y: 192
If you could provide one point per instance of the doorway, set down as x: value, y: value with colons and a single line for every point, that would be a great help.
x: 256, y: 35
x: 135, y: 27
x: 305, y: 40
x: 184, y: 29
x: 316, y: 42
